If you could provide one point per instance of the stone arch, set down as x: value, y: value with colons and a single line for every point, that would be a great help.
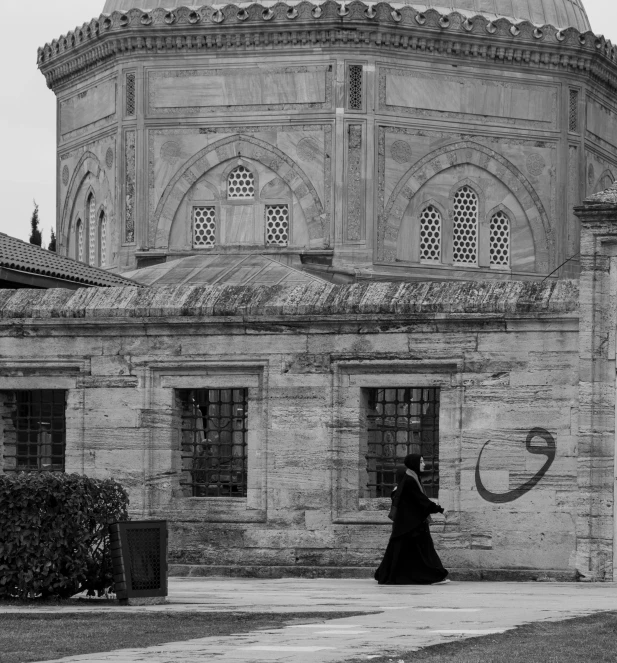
x: 88, y: 164
x: 287, y: 169
x: 466, y: 152
x: 605, y: 180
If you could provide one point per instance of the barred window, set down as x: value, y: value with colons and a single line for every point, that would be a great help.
x: 80, y: 240
x: 499, y: 241
x: 430, y: 235
x: 400, y: 422
x: 214, y: 444
x: 573, y: 111
x: 465, y: 227
x: 91, y: 230
x: 277, y: 225
x: 240, y: 183
x: 33, y: 430
x: 204, y: 226
x: 354, y: 90
x: 102, y: 240
x: 130, y: 94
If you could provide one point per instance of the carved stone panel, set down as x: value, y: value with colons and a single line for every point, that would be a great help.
x: 88, y: 108
x: 192, y: 92
x: 355, y: 189
x: 129, y: 187
x: 430, y: 93
x: 602, y: 121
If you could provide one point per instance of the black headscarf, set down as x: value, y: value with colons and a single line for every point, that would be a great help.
x: 412, y: 462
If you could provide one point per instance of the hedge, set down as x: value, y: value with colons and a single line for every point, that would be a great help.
x: 54, y: 538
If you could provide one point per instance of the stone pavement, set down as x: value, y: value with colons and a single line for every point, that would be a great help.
x: 406, y: 618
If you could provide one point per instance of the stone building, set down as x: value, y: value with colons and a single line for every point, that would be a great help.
x: 438, y: 140
x: 239, y: 158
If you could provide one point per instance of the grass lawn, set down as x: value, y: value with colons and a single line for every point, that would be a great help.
x: 582, y: 640
x: 28, y: 637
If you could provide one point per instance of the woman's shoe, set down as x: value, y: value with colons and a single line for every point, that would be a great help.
x: 442, y: 582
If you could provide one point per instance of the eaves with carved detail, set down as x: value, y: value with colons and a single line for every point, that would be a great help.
x: 233, y: 28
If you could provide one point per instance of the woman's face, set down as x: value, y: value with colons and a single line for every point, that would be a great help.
x: 422, y: 465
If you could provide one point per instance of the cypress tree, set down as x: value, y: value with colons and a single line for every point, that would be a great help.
x: 36, y: 237
x: 52, y: 242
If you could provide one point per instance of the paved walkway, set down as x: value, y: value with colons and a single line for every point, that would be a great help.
x: 406, y: 618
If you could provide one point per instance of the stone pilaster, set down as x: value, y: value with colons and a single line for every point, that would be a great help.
x: 595, y: 522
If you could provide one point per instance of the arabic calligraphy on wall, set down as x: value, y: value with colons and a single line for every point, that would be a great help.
x: 549, y: 451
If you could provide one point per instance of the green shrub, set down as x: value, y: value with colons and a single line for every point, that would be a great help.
x: 53, y: 534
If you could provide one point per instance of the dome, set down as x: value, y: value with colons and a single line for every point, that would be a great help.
x: 560, y: 13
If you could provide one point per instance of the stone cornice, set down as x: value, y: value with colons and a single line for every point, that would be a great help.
x: 503, y: 298
x: 233, y: 28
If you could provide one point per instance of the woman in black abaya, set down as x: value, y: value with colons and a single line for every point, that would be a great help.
x: 411, y: 558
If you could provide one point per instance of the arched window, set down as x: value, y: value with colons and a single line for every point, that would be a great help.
x: 69, y: 240
x: 79, y: 231
x: 102, y: 241
x: 240, y: 183
x: 91, y: 230
x: 499, y: 241
x: 430, y: 235
x: 465, y: 227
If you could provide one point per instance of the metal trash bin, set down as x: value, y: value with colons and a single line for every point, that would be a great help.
x: 139, y: 554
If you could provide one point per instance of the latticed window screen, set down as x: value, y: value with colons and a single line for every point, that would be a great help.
x: 430, y: 235
x: 573, y: 111
x: 240, y: 183
x: 130, y: 94
x: 499, y: 241
x: 277, y: 225
x: 465, y: 227
x: 400, y: 422
x: 214, y: 428
x: 34, y: 434
x: 204, y: 226
x: 80, y: 241
x: 354, y: 92
x: 103, y: 239
x: 91, y: 231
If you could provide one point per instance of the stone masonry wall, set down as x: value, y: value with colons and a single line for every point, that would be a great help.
x: 504, y: 356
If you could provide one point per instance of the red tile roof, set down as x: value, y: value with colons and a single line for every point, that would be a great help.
x: 23, y: 257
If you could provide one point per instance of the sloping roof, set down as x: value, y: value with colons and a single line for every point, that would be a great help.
x: 497, y: 298
x: 221, y: 269
x: 23, y: 257
x: 559, y: 13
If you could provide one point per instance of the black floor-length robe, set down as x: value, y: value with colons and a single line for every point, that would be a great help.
x: 411, y: 558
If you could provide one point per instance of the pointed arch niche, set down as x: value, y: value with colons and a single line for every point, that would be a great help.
x: 497, y: 183
x: 89, y: 179
x: 236, y: 220
x: 207, y: 172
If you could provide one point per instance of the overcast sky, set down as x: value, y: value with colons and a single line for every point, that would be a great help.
x: 27, y: 107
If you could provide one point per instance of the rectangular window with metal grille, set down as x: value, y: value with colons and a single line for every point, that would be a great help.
x: 33, y: 430
x: 214, y: 441
x: 400, y: 422
x: 354, y: 86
